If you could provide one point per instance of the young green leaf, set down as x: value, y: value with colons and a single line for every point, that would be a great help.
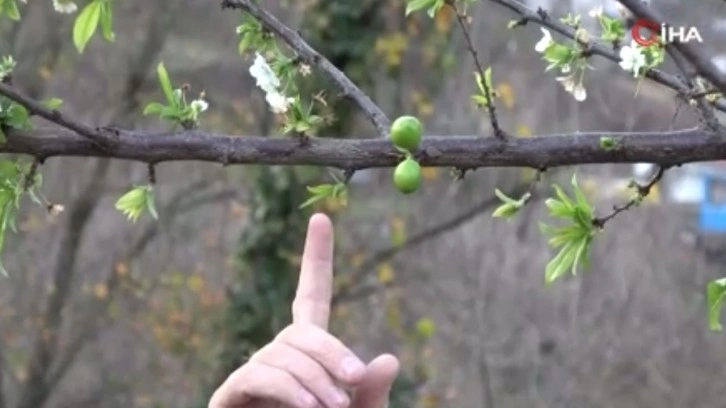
x: 715, y: 296
x: 416, y: 5
x: 53, y: 103
x: 86, y: 24
x: 165, y: 83
x: 11, y: 9
x: 153, y: 108
x: 107, y: 21
x: 133, y: 203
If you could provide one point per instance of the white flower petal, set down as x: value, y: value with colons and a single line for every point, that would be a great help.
x: 579, y: 93
x: 545, y: 42
x: 596, y: 12
x: 65, y: 6
x: 278, y: 102
x: 265, y: 76
x: 199, y: 105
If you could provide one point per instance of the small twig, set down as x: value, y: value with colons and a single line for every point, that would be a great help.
x: 348, y: 174
x: 312, y: 57
x: 152, y: 173
x: 533, y: 185
x: 29, y: 178
x: 461, y: 18
x: 704, y: 107
x: 641, y: 193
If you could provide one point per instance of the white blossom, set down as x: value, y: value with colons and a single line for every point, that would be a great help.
x: 568, y: 82
x: 55, y: 209
x: 199, y: 105
x: 265, y: 76
x: 596, y: 12
x: 278, y: 102
x: 565, y: 69
x: 632, y: 58
x: 576, y: 89
x: 545, y: 42
x: 579, y: 92
x: 65, y: 6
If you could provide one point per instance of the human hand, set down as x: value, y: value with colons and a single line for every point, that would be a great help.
x: 305, y: 366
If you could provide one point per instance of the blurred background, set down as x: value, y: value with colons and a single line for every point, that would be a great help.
x: 99, y: 312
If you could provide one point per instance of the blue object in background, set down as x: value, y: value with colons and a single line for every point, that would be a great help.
x: 712, y: 214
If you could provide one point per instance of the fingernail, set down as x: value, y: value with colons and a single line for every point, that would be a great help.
x: 339, y: 398
x: 307, y: 400
x: 352, y: 367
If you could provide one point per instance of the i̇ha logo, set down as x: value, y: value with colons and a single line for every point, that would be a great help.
x: 647, y: 32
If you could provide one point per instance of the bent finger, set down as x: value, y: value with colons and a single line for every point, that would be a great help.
x: 255, y: 380
x: 306, y: 370
x: 328, y: 351
x: 375, y: 388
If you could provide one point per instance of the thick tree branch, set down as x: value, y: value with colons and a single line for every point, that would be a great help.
x: 542, y: 18
x: 664, y: 147
x: 314, y: 58
x: 703, y: 65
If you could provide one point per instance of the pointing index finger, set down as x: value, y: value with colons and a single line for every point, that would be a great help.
x: 315, y: 285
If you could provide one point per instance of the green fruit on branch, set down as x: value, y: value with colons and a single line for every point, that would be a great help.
x: 407, y: 176
x: 406, y: 133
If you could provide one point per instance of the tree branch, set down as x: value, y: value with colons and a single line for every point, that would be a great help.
x: 542, y: 18
x: 314, y: 58
x: 661, y: 147
x: 461, y: 18
x: 642, y: 192
x: 703, y: 65
x: 101, y: 138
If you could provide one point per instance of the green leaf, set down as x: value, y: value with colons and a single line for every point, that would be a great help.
x: 17, y: 117
x: 11, y: 10
x: 53, y: 103
x: 107, y: 21
x: 321, y: 189
x: 133, y: 203
x: 558, y: 208
x: 505, y: 211
x: 165, y: 83
x: 153, y: 108
x: 488, y: 78
x: 580, y: 197
x: 608, y: 143
x: 86, y: 24
x: 416, y: 5
x: 563, y: 197
x: 504, y: 197
x: 312, y: 200
x: 715, y: 296
x: 151, y: 204
x: 559, y: 265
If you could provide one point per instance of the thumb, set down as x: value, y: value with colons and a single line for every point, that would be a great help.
x: 373, y: 390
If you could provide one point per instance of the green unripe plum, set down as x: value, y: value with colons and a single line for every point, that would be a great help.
x: 407, y: 176
x: 406, y: 133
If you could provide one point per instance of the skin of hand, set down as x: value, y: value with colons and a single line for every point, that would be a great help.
x: 305, y: 366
